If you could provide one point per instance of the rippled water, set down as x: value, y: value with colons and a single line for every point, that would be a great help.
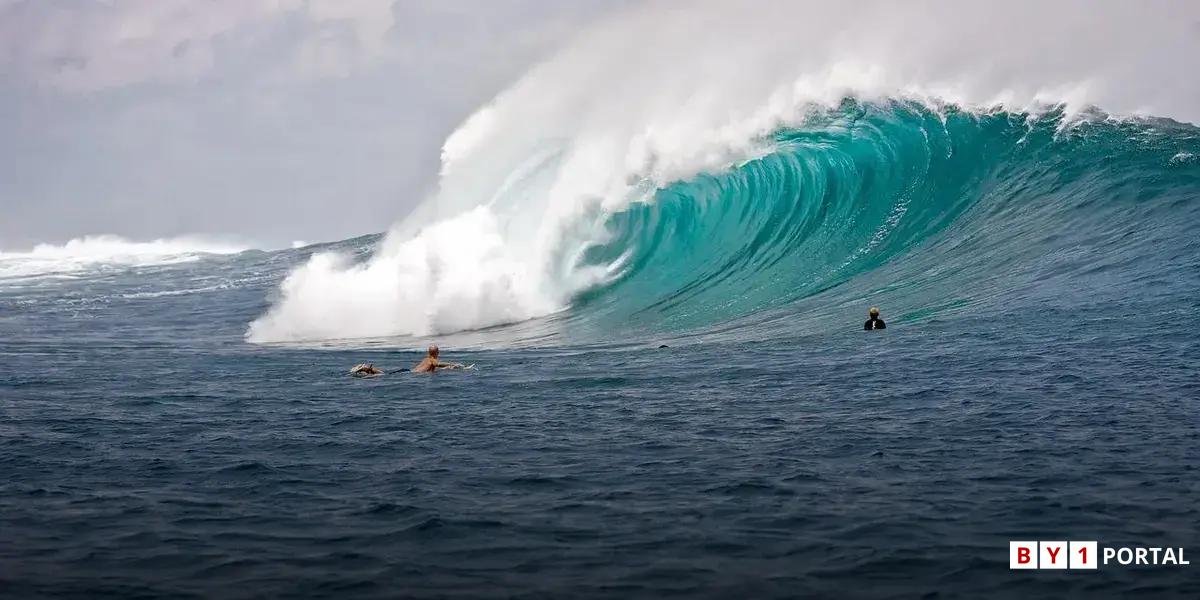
x: 856, y: 464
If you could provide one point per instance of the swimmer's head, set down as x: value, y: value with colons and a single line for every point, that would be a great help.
x: 874, y: 312
x: 433, y: 351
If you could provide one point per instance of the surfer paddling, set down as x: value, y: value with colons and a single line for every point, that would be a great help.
x: 430, y: 363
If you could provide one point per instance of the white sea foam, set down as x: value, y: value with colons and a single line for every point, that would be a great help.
x: 665, y: 91
x: 1182, y: 158
x: 100, y: 251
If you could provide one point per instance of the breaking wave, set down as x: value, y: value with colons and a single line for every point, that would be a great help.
x: 98, y: 252
x: 676, y: 169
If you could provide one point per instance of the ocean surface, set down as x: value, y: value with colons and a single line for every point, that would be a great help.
x: 163, y: 436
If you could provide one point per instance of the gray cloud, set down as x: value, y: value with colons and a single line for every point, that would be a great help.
x: 270, y: 120
x: 99, y: 45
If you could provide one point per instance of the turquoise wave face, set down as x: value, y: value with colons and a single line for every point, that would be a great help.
x: 926, y: 214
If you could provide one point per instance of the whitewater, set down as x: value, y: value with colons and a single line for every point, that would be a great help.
x: 531, y: 182
x: 87, y: 254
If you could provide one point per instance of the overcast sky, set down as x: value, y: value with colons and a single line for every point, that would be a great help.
x: 269, y: 120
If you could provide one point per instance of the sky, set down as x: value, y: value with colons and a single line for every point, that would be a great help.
x: 264, y: 121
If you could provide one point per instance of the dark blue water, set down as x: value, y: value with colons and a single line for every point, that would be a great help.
x: 1021, y: 392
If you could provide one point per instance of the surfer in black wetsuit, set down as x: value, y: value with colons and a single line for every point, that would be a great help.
x: 874, y: 322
